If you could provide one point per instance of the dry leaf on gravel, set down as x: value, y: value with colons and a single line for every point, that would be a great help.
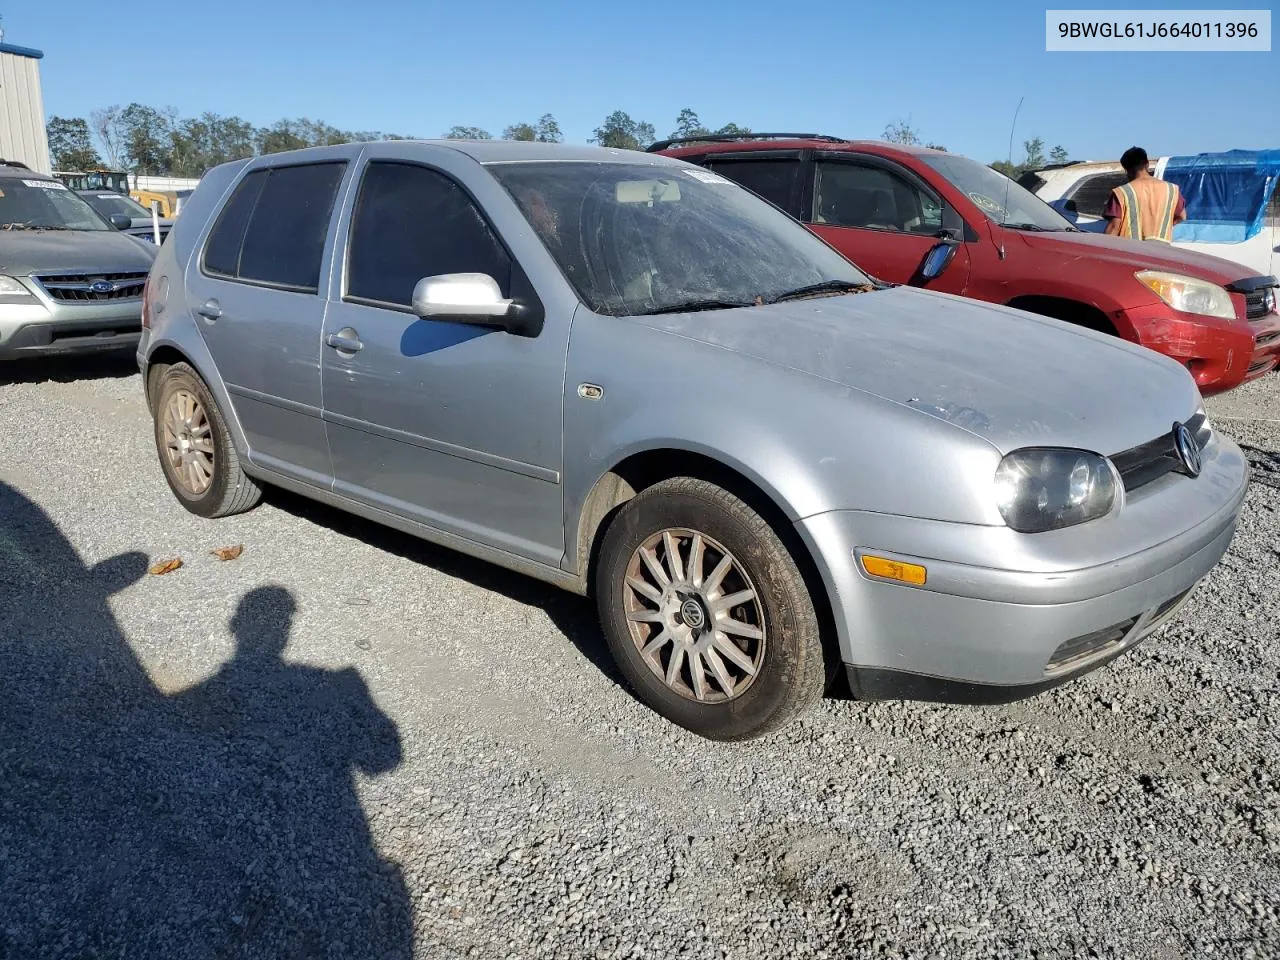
x: 165, y: 566
x: 228, y: 553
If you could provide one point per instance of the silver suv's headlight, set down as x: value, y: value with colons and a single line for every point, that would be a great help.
x: 1189, y: 294
x: 10, y: 287
x: 1045, y: 488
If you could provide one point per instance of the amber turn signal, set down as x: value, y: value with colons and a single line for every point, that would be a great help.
x: 893, y: 570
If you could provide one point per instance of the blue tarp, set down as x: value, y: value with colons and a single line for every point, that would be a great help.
x: 1226, y: 193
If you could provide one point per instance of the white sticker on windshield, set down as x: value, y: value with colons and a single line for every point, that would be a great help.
x: 106, y: 196
x: 706, y: 176
x: 45, y: 184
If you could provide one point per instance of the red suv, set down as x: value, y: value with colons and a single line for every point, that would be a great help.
x: 888, y: 207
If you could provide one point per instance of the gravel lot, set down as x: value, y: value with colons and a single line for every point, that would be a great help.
x: 443, y: 763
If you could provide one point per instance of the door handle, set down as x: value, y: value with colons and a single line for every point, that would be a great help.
x: 210, y: 310
x: 345, y: 340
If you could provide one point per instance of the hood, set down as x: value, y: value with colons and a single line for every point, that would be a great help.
x: 1135, y: 254
x: 1013, y: 378
x: 24, y: 252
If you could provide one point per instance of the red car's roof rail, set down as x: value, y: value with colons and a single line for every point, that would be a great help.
x: 731, y: 137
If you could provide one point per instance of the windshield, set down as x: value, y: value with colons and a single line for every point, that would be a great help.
x: 109, y: 203
x: 638, y: 238
x: 44, y: 205
x: 987, y: 188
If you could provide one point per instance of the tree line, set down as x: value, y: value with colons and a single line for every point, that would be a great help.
x: 151, y: 141
x: 158, y: 142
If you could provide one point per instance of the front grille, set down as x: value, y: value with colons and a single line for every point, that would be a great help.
x: 78, y: 287
x: 1150, y: 461
x: 1257, y: 303
x: 1081, y: 648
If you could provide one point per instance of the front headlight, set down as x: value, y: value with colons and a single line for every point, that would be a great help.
x: 1189, y: 294
x: 1045, y: 488
x: 10, y: 287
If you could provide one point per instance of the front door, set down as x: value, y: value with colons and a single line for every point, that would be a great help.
x: 254, y: 292
x: 884, y: 219
x: 453, y: 425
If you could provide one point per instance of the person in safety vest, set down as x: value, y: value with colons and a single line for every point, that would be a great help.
x: 1144, y: 208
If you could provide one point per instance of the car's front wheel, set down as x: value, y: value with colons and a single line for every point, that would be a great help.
x: 706, y: 612
x: 197, y: 454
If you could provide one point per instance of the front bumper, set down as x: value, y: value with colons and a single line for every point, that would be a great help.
x: 32, y: 329
x: 1221, y: 354
x: 1004, y: 615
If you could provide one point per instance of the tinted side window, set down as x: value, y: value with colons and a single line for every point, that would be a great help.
x: 853, y: 195
x: 1091, y: 193
x: 411, y: 222
x: 775, y: 180
x: 222, y: 252
x: 285, y: 240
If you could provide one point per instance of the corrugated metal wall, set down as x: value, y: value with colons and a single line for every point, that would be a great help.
x: 22, y: 132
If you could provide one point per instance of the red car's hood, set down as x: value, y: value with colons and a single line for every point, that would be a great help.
x: 1136, y: 254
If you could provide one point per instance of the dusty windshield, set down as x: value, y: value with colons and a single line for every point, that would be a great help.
x: 33, y: 204
x: 998, y: 197
x: 636, y: 238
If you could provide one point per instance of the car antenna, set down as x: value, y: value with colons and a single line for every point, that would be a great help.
x: 1004, y: 208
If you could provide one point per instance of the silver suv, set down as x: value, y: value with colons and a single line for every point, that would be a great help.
x: 632, y: 378
x: 70, y: 281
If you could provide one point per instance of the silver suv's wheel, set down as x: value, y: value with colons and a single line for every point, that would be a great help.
x: 196, y: 451
x: 706, y: 612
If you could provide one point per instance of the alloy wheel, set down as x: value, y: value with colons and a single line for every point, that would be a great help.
x: 188, y: 442
x: 694, y: 615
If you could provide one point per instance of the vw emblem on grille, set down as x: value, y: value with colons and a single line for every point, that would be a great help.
x: 102, y: 286
x: 1188, y: 449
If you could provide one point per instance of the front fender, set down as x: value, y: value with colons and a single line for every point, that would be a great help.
x: 809, y: 444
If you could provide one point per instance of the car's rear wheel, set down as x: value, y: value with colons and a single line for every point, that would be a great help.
x: 706, y: 612
x: 196, y: 452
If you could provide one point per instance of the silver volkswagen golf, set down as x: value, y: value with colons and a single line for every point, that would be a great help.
x: 634, y: 379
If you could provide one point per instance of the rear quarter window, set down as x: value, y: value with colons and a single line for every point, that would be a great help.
x: 273, y: 229
x: 1091, y: 193
x: 776, y: 180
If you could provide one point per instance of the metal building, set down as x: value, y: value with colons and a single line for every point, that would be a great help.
x: 22, y: 132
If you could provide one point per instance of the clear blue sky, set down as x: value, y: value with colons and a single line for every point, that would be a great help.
x: 955, y: 69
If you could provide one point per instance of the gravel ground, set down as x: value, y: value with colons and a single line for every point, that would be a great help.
x: 443, y: 763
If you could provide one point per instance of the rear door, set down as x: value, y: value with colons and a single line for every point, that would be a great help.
x: 255, y: 292
x: 884, y: 218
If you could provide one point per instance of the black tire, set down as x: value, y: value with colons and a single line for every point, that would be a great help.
x: 790, y: 676
x: 230, y: 489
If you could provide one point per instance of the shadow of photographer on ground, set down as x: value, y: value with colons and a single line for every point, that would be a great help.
x: 222, y: 821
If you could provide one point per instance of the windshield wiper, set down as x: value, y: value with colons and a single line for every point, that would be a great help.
x: 691, y: 306
x: 824, y: 286
x: 1033, y: 227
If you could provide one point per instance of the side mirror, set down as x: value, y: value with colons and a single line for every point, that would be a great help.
x: 937, y: 260
x: 120, y: 221
x: 468, y: 298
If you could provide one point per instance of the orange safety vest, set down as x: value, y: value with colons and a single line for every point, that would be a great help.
x: 1146, y: 208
